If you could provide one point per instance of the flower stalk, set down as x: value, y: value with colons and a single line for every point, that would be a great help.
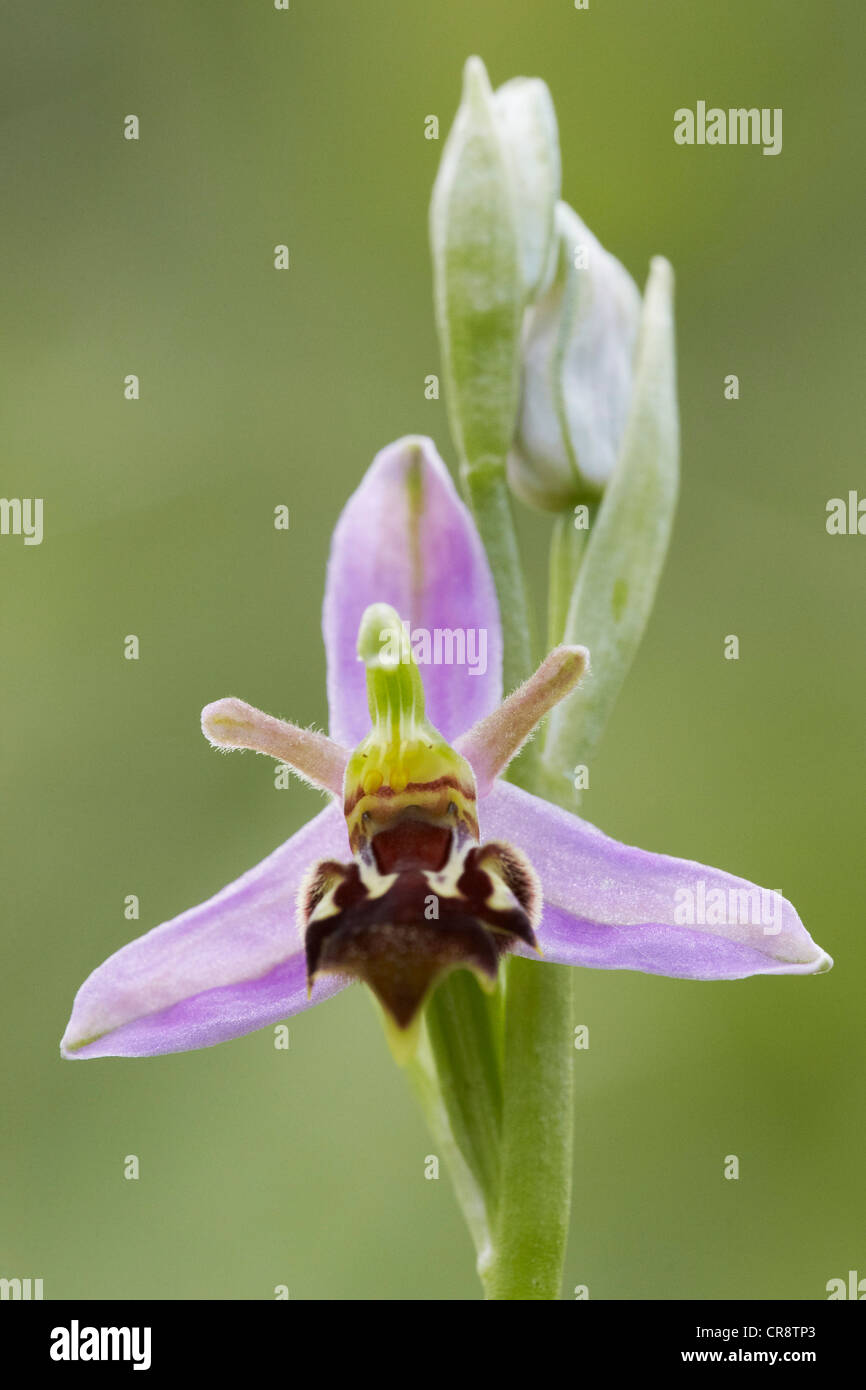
x: 514, y: 303
x: 533, y: 1203
x: 492, y: 237
x: 534, y: 1200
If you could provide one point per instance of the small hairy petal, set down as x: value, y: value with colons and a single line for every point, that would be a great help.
x: 225, y: 968
x: 231, y: 723
x: 614, y: 907
x: 405, y: 539
x: 490, y: 745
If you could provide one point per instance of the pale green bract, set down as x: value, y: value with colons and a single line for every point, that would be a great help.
x: 620, y: 569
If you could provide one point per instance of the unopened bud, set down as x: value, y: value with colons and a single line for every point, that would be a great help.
x: 578, y: 368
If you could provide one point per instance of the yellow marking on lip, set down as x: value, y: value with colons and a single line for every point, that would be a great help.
x: 403, y: 756
x: 369, y: 814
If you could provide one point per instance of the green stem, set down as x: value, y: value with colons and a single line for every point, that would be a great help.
x: 567, y: 545
x: 531, y: 1226
x: 533, y: 1204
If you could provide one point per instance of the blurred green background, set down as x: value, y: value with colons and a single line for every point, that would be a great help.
x: 306, y: 1168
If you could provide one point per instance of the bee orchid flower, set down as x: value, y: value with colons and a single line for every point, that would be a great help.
x: 425, y: 860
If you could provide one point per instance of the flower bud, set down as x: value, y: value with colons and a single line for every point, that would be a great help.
x: 527, y: 127
x: 491, y: 231
x: 578, y: 367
